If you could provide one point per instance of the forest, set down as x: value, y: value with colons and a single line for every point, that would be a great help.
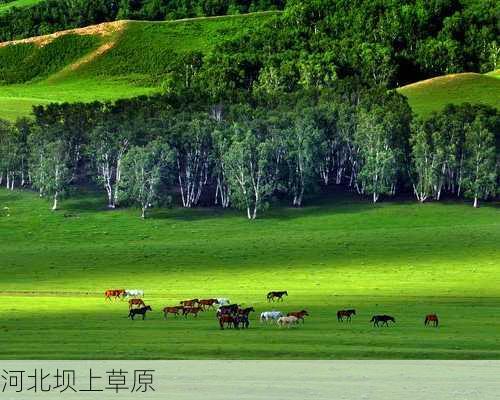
x: 168, y: 150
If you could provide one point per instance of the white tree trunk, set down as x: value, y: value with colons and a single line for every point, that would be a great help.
x: 476, y: 202
x: 54, y: 207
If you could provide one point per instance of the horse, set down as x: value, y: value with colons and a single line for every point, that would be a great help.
x: 222, y: 301
x: 134, y: 311
x: 431, y: 318
x: 287, y: 321
x: 208, y: 303
x: 136, y: 302
x: 278, y: 295
x: 382, y: 318
x: 229, y: 320
x: 191, y: 310
x: 230, y: 310
x: 189, y: 303
x: 115, y: 293
x: 133, y: 293
x: 299, y: 314
x: 345, y: 313
x: 172, y: 310
x: 245, y: 311
x: 270, y: 316
x: 242, y: 320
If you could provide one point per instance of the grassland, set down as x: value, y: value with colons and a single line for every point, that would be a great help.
x: 433, y: 94
x: 131, y: 58
x: 4, y: 7
x: 401, y: 258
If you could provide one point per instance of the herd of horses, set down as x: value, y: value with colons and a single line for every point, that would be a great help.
x: 234, y: 316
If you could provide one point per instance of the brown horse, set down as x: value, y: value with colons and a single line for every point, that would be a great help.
x: 191, y: 310
x: 208, y: 303
x: 431, y: 318
x: 189, y: 303
x: 172, y: 310
x: 276, y: 295
x: 229, y: 320
x: 347, y: 314
x: 136, y: 302
x: 245, y: 311
x: 299, y: 314
x: 113, y: 293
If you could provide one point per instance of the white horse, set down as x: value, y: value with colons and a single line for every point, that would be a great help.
x: 287, y: 321
x: 134, y: 293
x: 270, y: 316
x: 222, y: 301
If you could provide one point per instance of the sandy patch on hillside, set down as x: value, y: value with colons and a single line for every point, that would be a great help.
x: 104, y: 29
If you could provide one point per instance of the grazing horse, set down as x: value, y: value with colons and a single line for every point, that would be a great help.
x: 276, y: 295
x: 431, y: 318
x: 191, y: 310
x: 136, y: 302
x: 189, y: 303
x: 113, y: 293
x: 208, y: 303
x: 287, y: 321
x: 227, y: 310
x: 382, y: 318
x: 245, y: 311
x: 229, y: 320
x: 341, y: 314
x: 142, y: 311
x: 222, y: 301
x: 299, y: 314
x: 172, y: 310
x: 267, y: 316
x: 133, y: 293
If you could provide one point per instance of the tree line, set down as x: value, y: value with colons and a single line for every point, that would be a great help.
x: 153, y: 150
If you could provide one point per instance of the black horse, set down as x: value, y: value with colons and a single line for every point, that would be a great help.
x: 142, y: 311
x: 382, y: 318
x: 242, y: 321
x: 276, y: 295
x: 231, y: 309
x: 345, y: 313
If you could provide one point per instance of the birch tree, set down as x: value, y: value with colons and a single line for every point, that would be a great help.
x: 379, y: 159
x: 50, y: 172
x: 192, y: 148
x: 109, y: 143
x: 249, y: 168
x: 221, y: 142
x: 142, y: 174
x: 300, y: 144
x: 425, y: 163
x: 480, y: 171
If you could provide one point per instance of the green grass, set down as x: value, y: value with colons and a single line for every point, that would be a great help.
x: 401, y: 258
x: 4, y: 7
x: 138, y: 61
x: 433, y: 94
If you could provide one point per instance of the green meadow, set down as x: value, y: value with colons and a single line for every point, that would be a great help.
x: 399, y: 258
x: 432, y: 95
x: 4, y: 7
x: 137, y: 59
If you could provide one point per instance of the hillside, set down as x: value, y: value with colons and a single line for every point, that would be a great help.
x: 4, y: 7
x: 109, y: 61
x: 433, y: 94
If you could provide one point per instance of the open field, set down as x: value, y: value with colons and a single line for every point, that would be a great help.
x: 433, y: 94
x: 400, y: 258
x: 110, y: 61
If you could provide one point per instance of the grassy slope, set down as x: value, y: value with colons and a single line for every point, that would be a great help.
x: 17, y: 3
x: 404, y: 259
x: 139, y: 54
x: 433, y: 94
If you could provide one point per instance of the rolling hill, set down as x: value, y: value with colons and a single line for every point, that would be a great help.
x: 109, y: 61
x: 17, y: 3
x: 433, y: 94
